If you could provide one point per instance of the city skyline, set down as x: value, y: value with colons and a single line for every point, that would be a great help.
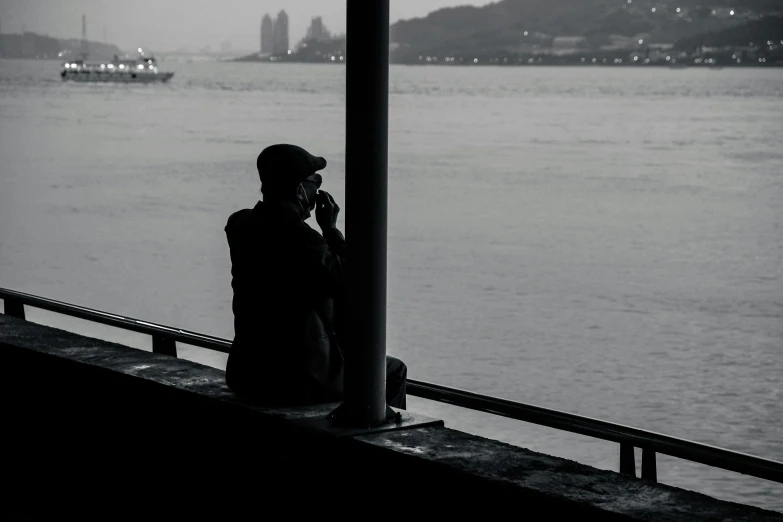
x: 170, y: 25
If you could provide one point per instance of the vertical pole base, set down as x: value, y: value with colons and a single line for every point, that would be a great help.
x: 164, y: 346
x: 649, y: 466
x: 347, y: 416
x: 627, y: 460
x: 14, y: 308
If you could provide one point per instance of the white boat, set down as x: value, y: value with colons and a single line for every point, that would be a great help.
x: 143, y: 69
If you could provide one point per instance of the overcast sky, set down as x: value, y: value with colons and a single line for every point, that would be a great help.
x: 166, y: 25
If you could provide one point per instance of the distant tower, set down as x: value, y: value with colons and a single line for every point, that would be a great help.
x: 267, y: 34
x: 280, y: 40
x: 84, y: 36
x: 104, y: 35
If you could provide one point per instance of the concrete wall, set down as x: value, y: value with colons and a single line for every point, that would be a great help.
x: 100, y: 430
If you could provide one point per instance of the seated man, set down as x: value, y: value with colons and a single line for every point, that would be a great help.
x: 286, y: 279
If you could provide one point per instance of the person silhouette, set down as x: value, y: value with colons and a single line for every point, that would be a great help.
x: 289, y: 282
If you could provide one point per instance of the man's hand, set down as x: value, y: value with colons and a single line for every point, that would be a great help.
x: 326, y: 210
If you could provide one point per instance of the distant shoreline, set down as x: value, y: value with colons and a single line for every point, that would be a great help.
x: 665, y: 65
x: 527, y: 64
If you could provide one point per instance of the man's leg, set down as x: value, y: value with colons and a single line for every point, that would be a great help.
x: 396, y: 382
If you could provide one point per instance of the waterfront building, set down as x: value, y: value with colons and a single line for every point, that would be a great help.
x: 267, y: 34
x: 280, y: 34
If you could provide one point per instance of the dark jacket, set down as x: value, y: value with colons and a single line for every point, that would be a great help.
x: 286, y: 277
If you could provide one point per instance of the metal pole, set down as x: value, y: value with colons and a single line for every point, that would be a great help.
x: 366, y: 162
x: 84, y: 37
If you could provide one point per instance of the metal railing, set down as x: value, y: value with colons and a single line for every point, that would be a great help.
x: 164, y: 339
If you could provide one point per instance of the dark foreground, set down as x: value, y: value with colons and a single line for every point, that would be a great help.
x: 97, y: 429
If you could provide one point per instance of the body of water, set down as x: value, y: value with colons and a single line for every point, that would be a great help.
x: 607, y: 242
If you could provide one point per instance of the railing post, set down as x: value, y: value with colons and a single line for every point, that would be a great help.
x: 164, y: 345
x: 627, y: 460
x: 13, y: 307
x: 366, y: 202
x: 649, y: 466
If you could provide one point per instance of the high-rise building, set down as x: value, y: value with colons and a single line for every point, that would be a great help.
x: 317, y: 30
x: 280, y: 32
x: 267, y: 34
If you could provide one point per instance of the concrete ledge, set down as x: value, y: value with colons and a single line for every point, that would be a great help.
x: 96, y: 429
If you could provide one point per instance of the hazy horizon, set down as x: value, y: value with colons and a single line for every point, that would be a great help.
x: 168, y: 25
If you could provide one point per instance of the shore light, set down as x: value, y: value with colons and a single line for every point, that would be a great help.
x: 731, y: 12
x: 641, y: 42
x: 653, y: 9
x: 678, y: 9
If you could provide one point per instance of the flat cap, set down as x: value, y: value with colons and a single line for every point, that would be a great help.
x: 284, y: 163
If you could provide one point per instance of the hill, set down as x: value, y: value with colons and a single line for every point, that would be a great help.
x: 32, y: 45
x: 756, y: 32
x: 523, y: 26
